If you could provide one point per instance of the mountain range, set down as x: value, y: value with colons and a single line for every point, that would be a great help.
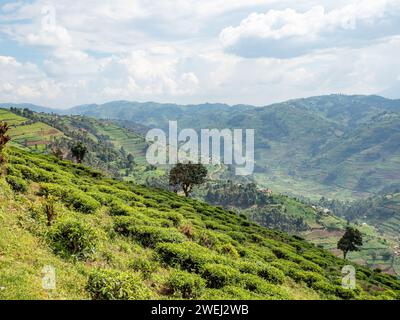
x: 343, y: 147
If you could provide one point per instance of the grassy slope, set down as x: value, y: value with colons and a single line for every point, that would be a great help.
x: 31, y: 135
x: 36, y: 134
x: 149, y: 235
x: 324, y: 229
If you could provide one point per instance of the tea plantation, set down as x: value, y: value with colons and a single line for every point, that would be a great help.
x: 108, y: 239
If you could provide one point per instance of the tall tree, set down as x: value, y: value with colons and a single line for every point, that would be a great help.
x: 4, y: 138
x: 187, y: 175
x: 351, y: 241
x: 79, y: 151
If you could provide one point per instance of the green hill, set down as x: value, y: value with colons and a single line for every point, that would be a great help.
x: 109, y: 239
x: 108, y: 144
x: 337, y: 146
x: 323, y: 223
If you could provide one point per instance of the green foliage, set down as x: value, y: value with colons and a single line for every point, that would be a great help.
x: 187, y: 175
x: 255, y: 284
x: 116, y: 285
x: 4, y: 138
x: 118, y: 208
x: 351, y: 241
x: 79, y: 151
x: 271, y: 274
x: 75, y: 198
x: 152, y: 237
x: 72, y: 238
x: 186, y: 285
x: 145, y: 266
x: 16, y: 183
x: 188, y: 256
x: 218, y: 276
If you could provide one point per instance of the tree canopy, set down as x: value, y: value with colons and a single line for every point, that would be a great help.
x: 187, y: 175
x: 351, y: 241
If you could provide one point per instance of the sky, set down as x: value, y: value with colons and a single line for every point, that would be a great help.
x: 61, y: 53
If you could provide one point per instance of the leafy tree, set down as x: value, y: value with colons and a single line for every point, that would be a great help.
x: 130, y: 158
x: 4, y: 138
x: 351, y: 241
x: 187, y: 175
x: 79, y: 151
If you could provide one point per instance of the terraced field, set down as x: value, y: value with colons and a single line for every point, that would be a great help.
x: 132, y: 142
x: 33, y: 135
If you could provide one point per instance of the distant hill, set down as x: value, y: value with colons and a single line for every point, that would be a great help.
x: 337, y: 146
x: 30, y: 106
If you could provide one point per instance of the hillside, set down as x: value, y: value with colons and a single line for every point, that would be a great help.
x: 322, y: 223
x: 109, y: 239
x: 313, y: 147
x: 108, y: 144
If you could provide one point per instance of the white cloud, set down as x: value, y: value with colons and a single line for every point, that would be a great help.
x: 181, y: 51
x: 288, y: 33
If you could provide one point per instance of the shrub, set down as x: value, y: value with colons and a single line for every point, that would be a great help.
x: 238, y: 236
x: 116, y: 285
x: 218, y: 275
x: 188, y: 256
x: 26, y: 172
x: 310, y: 266
x: 206, y: 239
x: 187, y: 230
x: 150, y: 236
x: 185, y: 284
x: 271, y: 274
x: 73, y: 197
x: 175, y: 217
x: 308, y: 277
x: 17, y: 184
x: 82, y: 202
x: 344, y: 293
x: 104, y: 199
x: 255, y: 284
x: 71, y: 237
x: 118, y: 208
x: 144, y: 265
x: 248, y: 267
x: 229, y: 249
x: 323, y: 286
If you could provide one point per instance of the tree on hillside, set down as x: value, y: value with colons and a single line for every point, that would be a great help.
x: 130, y: 158
x: 187, y: 175
x: 351, y: 241
x: 4, y: 138
x: 79, y: 151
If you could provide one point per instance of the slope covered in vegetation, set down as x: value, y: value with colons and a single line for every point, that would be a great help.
x: 108, y: 239
x: 335, y: 146
x: 322, y: 223
x: 111, y: 148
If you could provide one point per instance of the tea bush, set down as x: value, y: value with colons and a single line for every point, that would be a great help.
x: 188, y: 256
x: 271, y: 274
x: 218, y: 275
x: 145, y: 265
x: 71, y: 237
x: 116, y: 285
x: 17, y: 184
x: 150, y: 236
x: 186, y: 285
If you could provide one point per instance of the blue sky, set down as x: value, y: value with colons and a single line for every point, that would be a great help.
x: 258, y: 52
